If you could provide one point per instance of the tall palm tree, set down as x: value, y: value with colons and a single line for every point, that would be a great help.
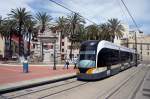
x: 92, y: 32
x: 10, y: 30
x: 0, y: 20
x: 30, y: 32
x: 43, y: 19
x: 61, y: 24
x: 6, y: 30
x: 20, y: 15
x: 116, y: 28
x: 74, y: 21
x: 78, y: 37
x: 104, y: 32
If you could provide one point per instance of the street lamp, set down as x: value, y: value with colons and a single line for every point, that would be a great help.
x: 54, y: 67
x: 135, y: 50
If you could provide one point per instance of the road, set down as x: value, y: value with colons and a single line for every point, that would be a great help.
x: 121, y: 86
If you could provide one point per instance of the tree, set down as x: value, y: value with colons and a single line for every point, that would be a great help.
x: 116, y: 28
x: 79, y: 37
x: 73, y: 23
x: 61, y: 24
x: 92, y: 32
x: 9, y: 30
x: 104, y: 31
x: 20, y: 15
x: 30, y: 31
x: 43, y: 19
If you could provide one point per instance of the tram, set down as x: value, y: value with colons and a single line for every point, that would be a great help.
x: 99, y: 59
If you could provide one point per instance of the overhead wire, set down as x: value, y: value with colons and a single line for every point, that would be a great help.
x: 130, y: 15
x: 122, y: 10
x: 72, y: 11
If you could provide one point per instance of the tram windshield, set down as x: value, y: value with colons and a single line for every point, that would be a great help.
x: 87, y: 59
x: 88, y: 54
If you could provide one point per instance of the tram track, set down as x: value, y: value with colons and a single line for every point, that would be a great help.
x: 31, y: 91
x: 115, y: 90
x: 65, y: 89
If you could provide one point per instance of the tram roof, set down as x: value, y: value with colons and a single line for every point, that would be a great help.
x: 106, y: 44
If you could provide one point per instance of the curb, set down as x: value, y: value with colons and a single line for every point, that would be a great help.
x: 50, y: 65
x: 33, y: 83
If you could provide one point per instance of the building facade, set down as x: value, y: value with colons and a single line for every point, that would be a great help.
x: 50, y: 46
x: 143, y: 46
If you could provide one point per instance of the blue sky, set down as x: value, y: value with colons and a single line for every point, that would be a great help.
x: 98, y: 11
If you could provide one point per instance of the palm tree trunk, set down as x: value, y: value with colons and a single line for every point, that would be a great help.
x: 20, y: 37
x: 29, y: 44
x: 60, y: 39
x: 10, y: 49
x: 71, y: 41
x: 71, y: 49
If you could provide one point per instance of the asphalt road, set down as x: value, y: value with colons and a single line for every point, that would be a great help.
x: 121, y: 86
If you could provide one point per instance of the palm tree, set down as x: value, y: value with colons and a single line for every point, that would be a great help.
x: 61, y: 24
x: 6, y: 29
x: 116, y: 28
x: 30, y: 32
x: 10, y: 30
x: 92, y: 32
x: 74, y: 22
x: 79, y: 37
x: 20, y: 15
x: 43, y: 19
x: 104, y: 32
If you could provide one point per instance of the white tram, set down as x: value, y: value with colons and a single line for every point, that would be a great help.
x: 99, y: 59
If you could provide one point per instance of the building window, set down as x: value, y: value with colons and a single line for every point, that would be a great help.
x: 147, y: 53
x: 141, y: 53
x: 34, y: 46
x: 51, y: 54
x: 141, y: 46
x: 51, y: 46
x: 147, y: 47
x: 62, y: 50
x: 62, y: 56
x: 62, y: 43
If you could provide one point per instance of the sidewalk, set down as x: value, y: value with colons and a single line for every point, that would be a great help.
x: 13, y: 77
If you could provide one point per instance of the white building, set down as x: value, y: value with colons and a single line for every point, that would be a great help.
x: 61, y: 53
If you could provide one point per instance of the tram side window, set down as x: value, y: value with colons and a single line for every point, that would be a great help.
x: 124, y: 56
x: 107, y: 57
x: 131, y: 56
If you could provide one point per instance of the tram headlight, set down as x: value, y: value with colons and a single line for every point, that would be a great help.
x: 90, y: 71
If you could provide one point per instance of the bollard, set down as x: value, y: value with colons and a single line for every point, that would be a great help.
x: 25, y: 66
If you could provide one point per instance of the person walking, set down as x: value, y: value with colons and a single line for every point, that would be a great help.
x: 66, y: 64
x: 75, y: 64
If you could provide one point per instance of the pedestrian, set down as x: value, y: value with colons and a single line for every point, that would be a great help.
x: 75, y: 63
x: 66, y: 64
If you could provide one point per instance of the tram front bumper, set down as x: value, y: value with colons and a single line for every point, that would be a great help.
x: 96, y: 76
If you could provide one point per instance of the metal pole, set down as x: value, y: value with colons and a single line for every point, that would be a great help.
x: 54, y: 68
x: 135, y: 50
x: 42, y: 51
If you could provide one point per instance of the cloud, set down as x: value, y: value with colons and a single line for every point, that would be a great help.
x: 98, y: 11
x: 7, y: 5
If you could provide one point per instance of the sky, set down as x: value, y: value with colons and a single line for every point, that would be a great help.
x: 98, y: 11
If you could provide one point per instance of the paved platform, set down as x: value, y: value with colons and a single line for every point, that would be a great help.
x: 13, y: 76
